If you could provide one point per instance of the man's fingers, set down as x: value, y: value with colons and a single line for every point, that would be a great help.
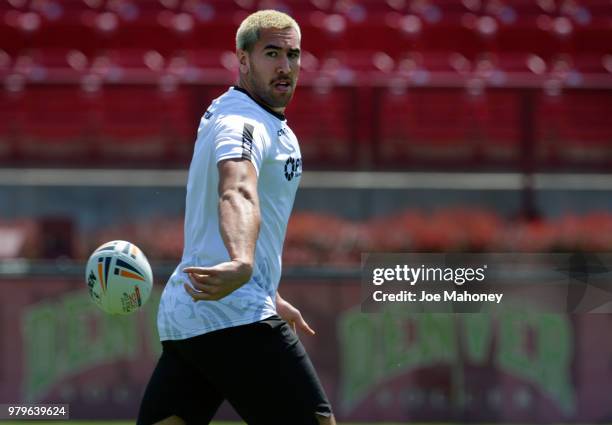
x: 197, y: 287
x: 304, y: 326
x: 196, y: 295
x: 200, y: 283
x: 207, y: 271
x: 203, y: 292
x: 200, y: 289
x: 214, y: 282
x: 204, y: 279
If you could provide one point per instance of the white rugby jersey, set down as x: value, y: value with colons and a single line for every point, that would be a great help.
x: 234, y: 126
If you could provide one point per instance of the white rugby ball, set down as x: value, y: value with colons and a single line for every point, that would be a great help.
x: 119, y: 277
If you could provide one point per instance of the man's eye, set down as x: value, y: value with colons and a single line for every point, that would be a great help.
x: 272, y: 54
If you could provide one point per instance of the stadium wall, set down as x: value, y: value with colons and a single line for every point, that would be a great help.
x: 511, y: 367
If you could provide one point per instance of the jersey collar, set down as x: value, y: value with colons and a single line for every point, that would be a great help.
x: 266, y: 108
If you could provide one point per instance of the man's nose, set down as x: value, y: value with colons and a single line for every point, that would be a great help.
x: 283, y: 66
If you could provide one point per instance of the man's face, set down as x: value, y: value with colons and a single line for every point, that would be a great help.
x: 270, y: 71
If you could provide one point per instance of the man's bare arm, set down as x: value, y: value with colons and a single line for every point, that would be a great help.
x: 239, y: 210
x: 239, y: 221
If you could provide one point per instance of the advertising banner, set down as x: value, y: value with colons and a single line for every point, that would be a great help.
x: 509, y: 365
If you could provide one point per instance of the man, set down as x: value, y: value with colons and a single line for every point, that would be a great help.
x: 221, y: 336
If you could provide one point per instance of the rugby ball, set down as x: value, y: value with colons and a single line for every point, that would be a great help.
x: 119, y: 277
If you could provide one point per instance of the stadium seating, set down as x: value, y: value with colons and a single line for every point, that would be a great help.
x: 9, y: 111
x: 63, y: 127
x: 423, y: 76
x: 576, y: 126
x: 455, y: 125
x: 322, y: 117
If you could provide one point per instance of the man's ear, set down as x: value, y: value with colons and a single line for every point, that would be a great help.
x: 243, y: 61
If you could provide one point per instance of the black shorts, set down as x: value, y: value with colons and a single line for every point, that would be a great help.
x: 262, y: 369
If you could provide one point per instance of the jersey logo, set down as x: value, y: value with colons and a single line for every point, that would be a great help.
x: 281, y: 132
x: 293, y: 168
x: 207, y: 115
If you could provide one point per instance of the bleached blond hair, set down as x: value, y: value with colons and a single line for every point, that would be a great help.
x: 248, y: 31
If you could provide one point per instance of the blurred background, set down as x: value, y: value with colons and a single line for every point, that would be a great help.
x: 425, y: 126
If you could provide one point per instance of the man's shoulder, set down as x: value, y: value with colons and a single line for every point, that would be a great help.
x: 234, y: 103
x: 232, y: 112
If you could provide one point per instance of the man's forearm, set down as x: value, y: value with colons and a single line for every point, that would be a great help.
x: 239, y: 215
x: 239, y: 223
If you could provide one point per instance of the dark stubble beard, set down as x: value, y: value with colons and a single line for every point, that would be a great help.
x: 264, y: 91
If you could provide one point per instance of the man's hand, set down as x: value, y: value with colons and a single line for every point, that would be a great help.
x: 292, y: 316
x: 214, y: 283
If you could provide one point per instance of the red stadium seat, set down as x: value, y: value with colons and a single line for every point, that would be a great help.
x: 434, y: 62
x: 428, y: 124
x: 525, y: 63
x: 129, y: 65
x: 11, y: 124
x: 180, y: 122
x: 203, y: 65
x: 574, y: 127
x: 132, y: 125
x: 54, y: 65
x: 321, y: 117
x: 526, y: 35
x: 442, y: 124
x: 590, y: 64
x: 6, y: 64
x: 363, y: 60
x: 59, y: 123
x: 498, y: 116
